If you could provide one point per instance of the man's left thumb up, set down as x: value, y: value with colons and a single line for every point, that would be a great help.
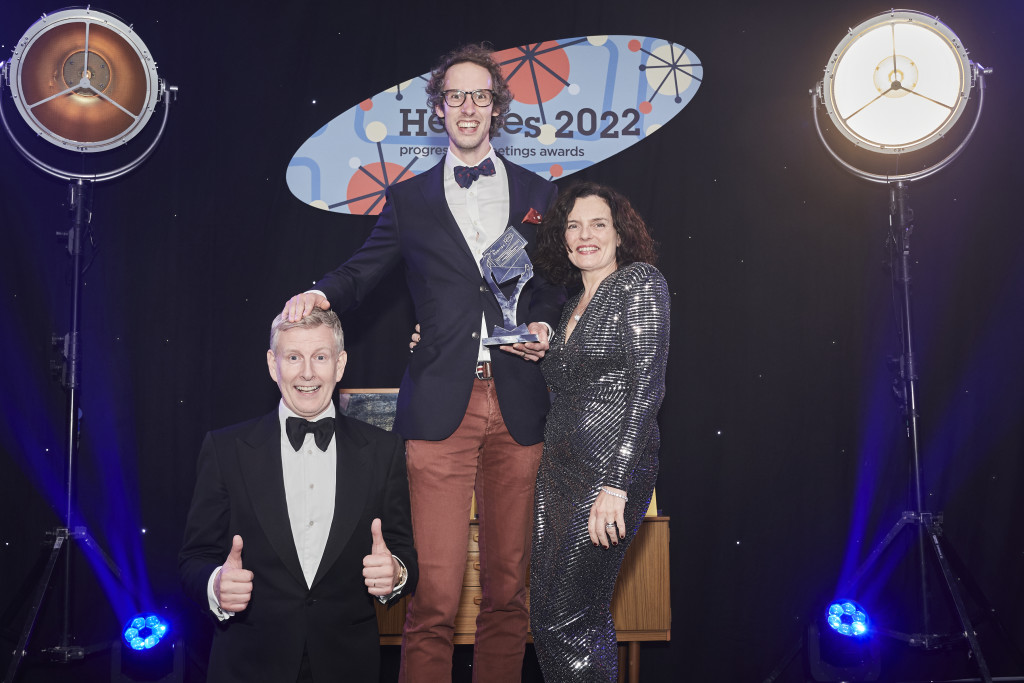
x: 379, y: 546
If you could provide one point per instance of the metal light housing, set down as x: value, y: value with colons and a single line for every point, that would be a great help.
x: 897, y: 82
x: 83, y: 80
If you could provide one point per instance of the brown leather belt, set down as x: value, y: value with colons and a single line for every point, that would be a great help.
x: 483, y: 370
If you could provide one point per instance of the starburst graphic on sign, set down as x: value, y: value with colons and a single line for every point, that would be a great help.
x: 678, y: 69
x: 369, y: 183
x: 536, y: 72
x: 400, y: 89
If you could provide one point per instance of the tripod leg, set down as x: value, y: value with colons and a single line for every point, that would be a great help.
x: 906, y: 518
x: 991, y: 614
x: 954, y: 591
x: 83, y: 537
x: 37, y: 602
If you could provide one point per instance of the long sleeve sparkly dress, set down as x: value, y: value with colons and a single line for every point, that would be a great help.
x: 608, y: 379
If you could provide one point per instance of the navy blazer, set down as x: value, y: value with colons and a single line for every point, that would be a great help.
x: 240, y: 490
x: 417, y: 227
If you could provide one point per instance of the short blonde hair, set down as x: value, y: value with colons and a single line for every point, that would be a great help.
x: 316, y: 318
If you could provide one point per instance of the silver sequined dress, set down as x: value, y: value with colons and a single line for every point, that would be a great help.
x: 608, y: 380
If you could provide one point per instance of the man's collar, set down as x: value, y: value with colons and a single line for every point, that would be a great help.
x: 452, y: 159
x: 284, y: 412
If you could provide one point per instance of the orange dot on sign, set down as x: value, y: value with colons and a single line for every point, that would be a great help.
x: 366, y: 105
x: 645, y: 107
x: 542, y: 71
x: 556, y: 170
x: 634, y: 45
x: 365, y: 190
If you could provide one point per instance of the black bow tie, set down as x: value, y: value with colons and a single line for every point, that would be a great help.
x: 322, y: 430
x: 465, y: 175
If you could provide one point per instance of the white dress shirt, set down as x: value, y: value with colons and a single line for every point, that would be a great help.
x: 481, y: 210
x: 310, y: 480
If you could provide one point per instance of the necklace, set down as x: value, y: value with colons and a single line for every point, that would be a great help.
x: 581, y: 307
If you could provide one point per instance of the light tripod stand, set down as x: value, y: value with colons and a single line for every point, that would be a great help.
x: 84, y: 81
x: 927, y: 524
x: 896, y: 84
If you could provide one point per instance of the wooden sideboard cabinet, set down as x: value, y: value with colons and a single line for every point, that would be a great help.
x: 641, y: 606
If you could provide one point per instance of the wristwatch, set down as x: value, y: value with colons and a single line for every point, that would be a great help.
x: 403, y: 574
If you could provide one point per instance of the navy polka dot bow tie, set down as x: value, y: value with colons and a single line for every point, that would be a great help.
x: 465, y: 175
x: 297, y: 428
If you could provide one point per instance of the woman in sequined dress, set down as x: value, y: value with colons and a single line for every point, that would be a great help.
x: 606, y: 368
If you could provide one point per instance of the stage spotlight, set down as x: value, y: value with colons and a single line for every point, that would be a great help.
x: 847, y: 618
x: 83, y: 80
x: 147, y: 651
x: 897, y: 82
x: 144, y: 632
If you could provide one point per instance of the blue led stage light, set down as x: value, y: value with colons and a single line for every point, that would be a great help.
x: 848, y: 618
x: 144, y: 631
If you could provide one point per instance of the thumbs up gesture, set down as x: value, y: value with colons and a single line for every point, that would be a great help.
x: 233, y: 585
x: 380, y: 569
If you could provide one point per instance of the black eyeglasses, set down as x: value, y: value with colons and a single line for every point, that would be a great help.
x: 455, y: 98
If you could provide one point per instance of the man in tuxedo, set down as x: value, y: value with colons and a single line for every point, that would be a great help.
x: 473, y: 417
x: 298, y: 521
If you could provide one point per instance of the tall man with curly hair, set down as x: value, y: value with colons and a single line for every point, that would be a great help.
x: 473, y: 417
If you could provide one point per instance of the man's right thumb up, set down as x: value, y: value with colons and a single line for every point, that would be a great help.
x: 234, y: 560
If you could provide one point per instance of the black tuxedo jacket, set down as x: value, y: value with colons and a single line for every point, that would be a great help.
x: 240, y: 490
x: 417, y: 227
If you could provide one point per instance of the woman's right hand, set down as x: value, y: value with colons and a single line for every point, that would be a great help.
x: 415, y: 338
x: 607, y: 523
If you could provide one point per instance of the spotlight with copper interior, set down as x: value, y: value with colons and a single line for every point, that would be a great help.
x: 83, y: 80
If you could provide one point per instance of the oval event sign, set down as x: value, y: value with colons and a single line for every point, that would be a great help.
x: 577, y: 102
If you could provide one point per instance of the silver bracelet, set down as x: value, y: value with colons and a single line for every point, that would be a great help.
x: 617, y: 495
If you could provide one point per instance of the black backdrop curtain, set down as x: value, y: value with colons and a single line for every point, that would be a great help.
x: 783, y: 457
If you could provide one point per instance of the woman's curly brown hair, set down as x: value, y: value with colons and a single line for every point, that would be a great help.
x: 552, y: 253
x: 481, y: 56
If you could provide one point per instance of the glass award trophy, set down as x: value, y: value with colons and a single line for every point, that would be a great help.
x: 502, y: 262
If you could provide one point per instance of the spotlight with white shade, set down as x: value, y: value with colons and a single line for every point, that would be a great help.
x: 897, y: 82
x: 894, y: 85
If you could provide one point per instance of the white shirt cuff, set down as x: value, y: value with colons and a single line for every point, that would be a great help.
x: 211, y: 596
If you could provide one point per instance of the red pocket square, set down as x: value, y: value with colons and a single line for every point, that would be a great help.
x: 532, y: 217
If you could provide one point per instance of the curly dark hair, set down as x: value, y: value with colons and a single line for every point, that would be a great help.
x: 481, y: 55
x: 552, y: 253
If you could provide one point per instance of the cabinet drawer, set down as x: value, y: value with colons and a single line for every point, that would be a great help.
x: 472, y: 575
